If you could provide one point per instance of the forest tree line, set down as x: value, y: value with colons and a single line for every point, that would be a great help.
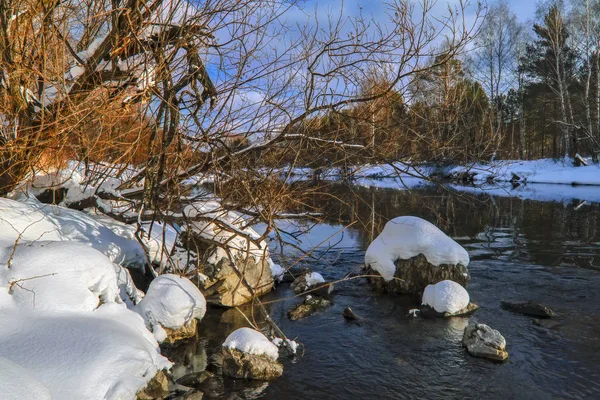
x: 521, y: 90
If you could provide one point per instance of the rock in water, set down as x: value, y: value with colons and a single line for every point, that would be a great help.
x: 249, y: 366
x: 157, y: 388
x: 412, y: 253
x: 446, y: 297
x: 483, y: 341
x: 309, y: 306
x: 248, y: 354
x: 530, y: 308
x: 413, y: 275
x: 307, y: 281
x: 226, y: 284
x: 349, y: 314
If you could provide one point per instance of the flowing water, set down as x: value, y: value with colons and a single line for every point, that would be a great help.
x: 520, y: 250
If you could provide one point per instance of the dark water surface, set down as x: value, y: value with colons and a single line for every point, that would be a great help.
x: 520, y: 250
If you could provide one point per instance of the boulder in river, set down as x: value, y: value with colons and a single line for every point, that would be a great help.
x: 446, y: 299
x: 530, y: 308
x: 412, y: 253
x: 483, y: 341
x: 234, y: 264
x: 248, y: 354
x: 310, y: 280
x: 309, y: 306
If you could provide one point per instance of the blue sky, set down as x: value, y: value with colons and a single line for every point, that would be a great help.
x: 524, y: 9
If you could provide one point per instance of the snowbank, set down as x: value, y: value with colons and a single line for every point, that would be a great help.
x: 250, y: 341
x: 18, y: 383
x: 105, y: 354
x: 406, y: 237
x: 30, y: 220
x: 56, y: 276
x: 446, y: 297
x: 534, y: 171
x: 171, y: 302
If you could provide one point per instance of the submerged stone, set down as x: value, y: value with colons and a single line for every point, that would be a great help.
x: 309, y: 306
x: 530, y: 308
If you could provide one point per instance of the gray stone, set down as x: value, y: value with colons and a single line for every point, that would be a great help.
x: 483, y: 341
x: 414, y: 274
x: 249, y: 366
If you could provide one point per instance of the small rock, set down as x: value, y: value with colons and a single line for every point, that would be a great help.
x: 530, y: 308
x: 194, y: 396
x: 349, y: 314
x: 157, y: 388
x: 427, y: 311
x: 194, y: 379
x: 414, y: 311
x: 310, y: 306
x: 237, y: 364
x: 307, y: 281
x: 186, y: 331
x: 483, y: 341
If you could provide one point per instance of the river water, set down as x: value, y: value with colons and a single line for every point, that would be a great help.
x: 520, y: 250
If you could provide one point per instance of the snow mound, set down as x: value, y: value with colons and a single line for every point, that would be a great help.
x: 30, y: 220
x: 250, y: 341
x: 105, y: 354
x: 171, y: 302
x: 56, y: 276
x: 277, y: 272
x: 313, y: 278
x: 446, y: 297
x: 18, y: 383
x: 407, y: 237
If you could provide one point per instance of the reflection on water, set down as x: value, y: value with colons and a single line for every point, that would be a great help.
x: 520, y: 250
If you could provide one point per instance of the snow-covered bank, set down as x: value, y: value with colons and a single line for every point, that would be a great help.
x: 533, y: 171
x: 74, y: 326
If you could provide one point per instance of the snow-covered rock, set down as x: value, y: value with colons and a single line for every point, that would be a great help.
x: 407, y: 237
x: 249, y: 341
x: 172, y: 302
x: 446, y: 297
x: 248, y: 354
x: 417, y: 254
x: 277, y: 272
x: 18, y: 383
x: 104, y: 354
x: 224, y: 285
x: 307, y: 281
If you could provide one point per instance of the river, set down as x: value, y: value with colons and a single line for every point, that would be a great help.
x: 520, y: 250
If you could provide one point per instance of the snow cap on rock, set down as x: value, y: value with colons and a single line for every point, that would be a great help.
x: 171, y: 301
x: 446, y: 297
x: 249, y: 341
x: 407, y: 237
